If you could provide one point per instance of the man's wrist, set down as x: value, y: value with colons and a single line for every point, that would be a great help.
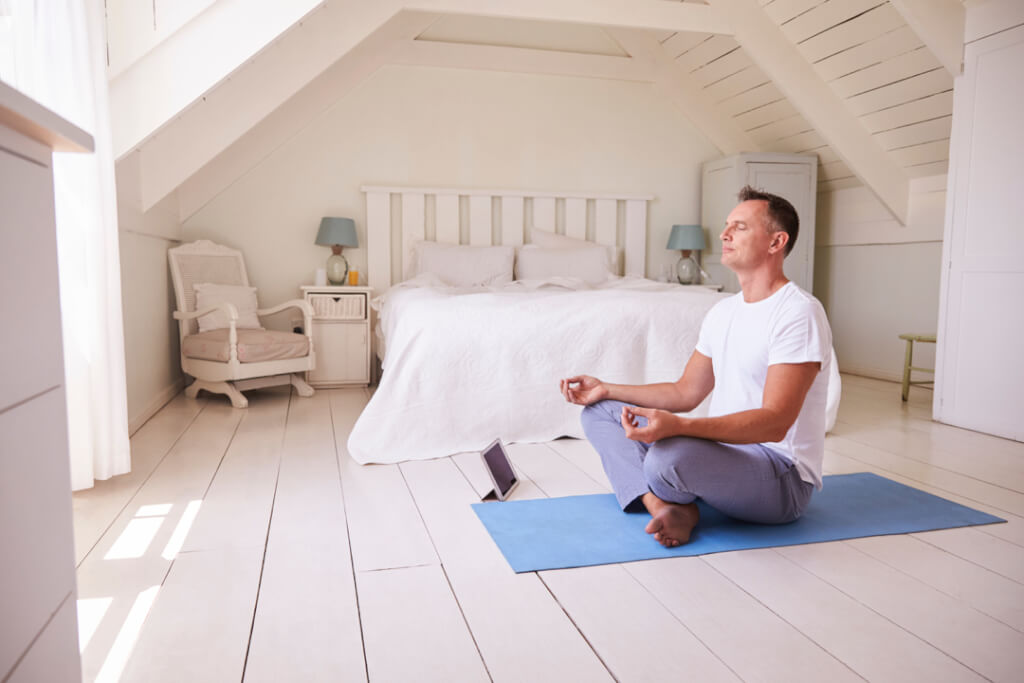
x: 682, y: 425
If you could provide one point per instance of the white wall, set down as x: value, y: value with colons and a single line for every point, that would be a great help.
x: 878, y: 279
x: 451, y: 127
x: 152, y: 368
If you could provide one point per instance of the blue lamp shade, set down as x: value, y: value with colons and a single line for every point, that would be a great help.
x: 686, y: 238
x: 340, y: 231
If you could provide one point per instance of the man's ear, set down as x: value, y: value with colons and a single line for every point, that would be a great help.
x: 779, y: 240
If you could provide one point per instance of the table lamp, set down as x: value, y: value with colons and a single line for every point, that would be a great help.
x: 687, y: 239
x: 337, y: 233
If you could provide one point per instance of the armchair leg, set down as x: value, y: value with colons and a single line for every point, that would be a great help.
x: 301, y: 387
x: 227, y: 388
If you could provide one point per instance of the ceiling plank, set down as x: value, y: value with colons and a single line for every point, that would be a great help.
x: 650, y: 14
x: 940, y: 25
x: 518, y: 59
x: 769, y: 48
x: 685, y: 91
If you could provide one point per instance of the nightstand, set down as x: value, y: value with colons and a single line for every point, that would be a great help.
x: 341, y: 335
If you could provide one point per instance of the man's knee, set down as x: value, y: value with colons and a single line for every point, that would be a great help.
x: 666, y: 462
x: 595, y: 413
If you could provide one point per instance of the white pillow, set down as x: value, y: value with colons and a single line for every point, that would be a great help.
x: 210, y: 294
x: 465, y: 266
x: 586, y: 263
x: 543, y: 238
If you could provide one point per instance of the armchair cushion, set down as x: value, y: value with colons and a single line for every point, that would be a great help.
x: 210, y: 294
x: 254, y: 346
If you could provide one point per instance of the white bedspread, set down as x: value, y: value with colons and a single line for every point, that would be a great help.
x: 462, y: 368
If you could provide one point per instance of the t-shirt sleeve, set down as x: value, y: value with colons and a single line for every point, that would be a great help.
x: 705, y: 342
x: 801, y: 335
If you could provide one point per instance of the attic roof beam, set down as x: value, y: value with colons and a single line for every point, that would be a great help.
x: 253, y: 91
x: 940, y: 25
x: 518, y: 60
x: 650, y: 14
x: 296, y: 112
x: 794, y: 76
x: 184, y: 65
x: 686, y: 92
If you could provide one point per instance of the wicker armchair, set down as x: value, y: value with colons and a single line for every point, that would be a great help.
x: 230, y: 360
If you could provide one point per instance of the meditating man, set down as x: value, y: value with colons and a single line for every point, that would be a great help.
x: 766, y: 353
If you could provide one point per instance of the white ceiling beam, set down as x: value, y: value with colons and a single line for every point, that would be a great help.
x: 796, y: 78
x: 518, y: 60
x: 179, y: 68
x: 684, y: 91
x: 650, y: 14
x: 940, y: 25
x: 334, y: 83
x: 222, y: 115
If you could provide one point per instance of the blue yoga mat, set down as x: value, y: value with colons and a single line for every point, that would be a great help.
x: 580, y: 531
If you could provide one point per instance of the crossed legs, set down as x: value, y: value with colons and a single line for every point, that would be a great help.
x: 749, y: 482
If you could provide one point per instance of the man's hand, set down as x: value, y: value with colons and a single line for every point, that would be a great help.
x: 661, y: 424
x: 583, y: 390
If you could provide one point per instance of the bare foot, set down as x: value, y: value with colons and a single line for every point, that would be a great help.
x: 671, y: 523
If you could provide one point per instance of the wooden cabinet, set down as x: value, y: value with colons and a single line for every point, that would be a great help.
x: 792, y: 176
x: 38, y: 593
x: 341, y: 335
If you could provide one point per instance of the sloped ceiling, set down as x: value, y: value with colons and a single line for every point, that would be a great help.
x: 866, y: 85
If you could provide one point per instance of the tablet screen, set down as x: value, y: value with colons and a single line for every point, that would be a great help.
x: 500, y: 467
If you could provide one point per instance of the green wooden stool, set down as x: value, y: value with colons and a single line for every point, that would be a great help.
x: 908, y: 361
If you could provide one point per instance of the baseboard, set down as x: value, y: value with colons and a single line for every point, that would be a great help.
x: 158, y: 402
x: 872, y: 373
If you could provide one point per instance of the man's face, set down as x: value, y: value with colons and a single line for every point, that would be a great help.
x: 746, y: 241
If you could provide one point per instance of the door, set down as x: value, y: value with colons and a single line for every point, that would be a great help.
x: 980, y: 369
x: 795, y: 183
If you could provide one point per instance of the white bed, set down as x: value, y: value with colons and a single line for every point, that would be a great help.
x: 464, y: 365
x: 462, y: 369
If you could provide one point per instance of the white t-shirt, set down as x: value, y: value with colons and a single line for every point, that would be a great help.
x: 743, y: 339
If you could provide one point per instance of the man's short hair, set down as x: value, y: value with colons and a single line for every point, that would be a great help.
x: 781, y: 214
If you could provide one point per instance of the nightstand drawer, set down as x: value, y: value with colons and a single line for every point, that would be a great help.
x: 338, y: 306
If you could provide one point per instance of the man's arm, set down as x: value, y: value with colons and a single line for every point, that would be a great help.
x: 680, y: 396
x: 785, y: 389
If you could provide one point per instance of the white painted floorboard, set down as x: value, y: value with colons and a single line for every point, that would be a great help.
x: 247, y: 546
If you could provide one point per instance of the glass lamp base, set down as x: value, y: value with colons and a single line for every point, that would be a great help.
x: 687, y: 271
x: 337, y: 269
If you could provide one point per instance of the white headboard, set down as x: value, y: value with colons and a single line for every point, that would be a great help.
x: 486, y: 217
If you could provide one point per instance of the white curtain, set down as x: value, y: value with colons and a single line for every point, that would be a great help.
x: 56, y: 56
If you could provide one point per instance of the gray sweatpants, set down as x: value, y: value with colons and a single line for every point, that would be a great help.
x: 747, y: 481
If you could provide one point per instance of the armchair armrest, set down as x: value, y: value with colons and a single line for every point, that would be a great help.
x: 230, y: 309
x: 232, y: 312
x: 307, y: 315
x: 301, y: 304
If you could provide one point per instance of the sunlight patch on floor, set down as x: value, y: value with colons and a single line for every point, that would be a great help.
x: 123, y: 645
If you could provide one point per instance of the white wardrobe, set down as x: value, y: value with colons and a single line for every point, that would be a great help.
x: 38, y: 626
x: 979, y: 382
x: 793, y: 176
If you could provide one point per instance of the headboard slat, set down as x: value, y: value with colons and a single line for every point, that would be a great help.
x: 448, y: 218
x: 576, y: 217
x: 605, y: 218
x: 378, y: 231
x: 480, y: 221
x: 636, y: 237
x: 512, y: 221
x: 544, y: 213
